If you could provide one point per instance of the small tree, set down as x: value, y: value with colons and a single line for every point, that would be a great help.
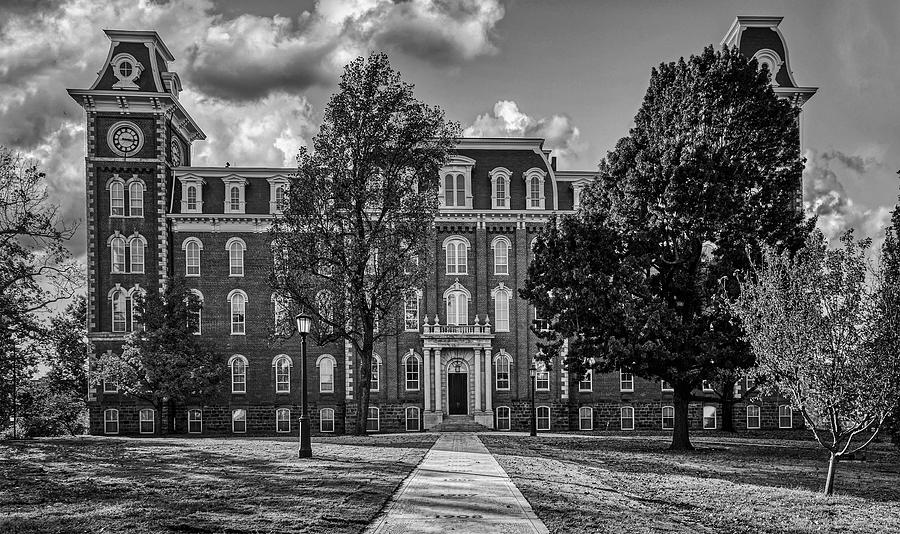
x: 826, y: 339
x: 353, y: 241
x: 163, y: 361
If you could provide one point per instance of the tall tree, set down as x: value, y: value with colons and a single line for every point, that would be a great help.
x: 163, y: 362
x: 827, y: 339
x: 361, y: 212
x: 711, y: 167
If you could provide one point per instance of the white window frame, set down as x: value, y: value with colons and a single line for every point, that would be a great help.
x: 375, y: 379
x: 502, y: 359
x: 706, y: 386
x: 136, y: 242
x: 790, y: 415
x: 116, y: 201
x: 275, y: 183
x: 142, y: 420
x: 282, y: 365
x: 232, y: 245
x: 196, y: 420
x: 715, y: 417
x: 186, y: 246
x: 199, y: 312
x: 377, y: 419
x: 539, y: 377
x: 587, y: 379
x: 188, y: 181
x: 457, y: 308
x: 235, y: 420
x: 242, y: 324
x: 279, y: 419
x: 502, y: 296
x: 507, y: 418
x: 412, y: 358
x: 411, y: 303
x: 663, y: 417
x: 323, y: 419
x: 538, y: 418
x: 531, y: 202
x: 122, y: 303
x: 581, y: 418
x: 626, y: 386
x: 417, y: 418
x: 458, y: 263
x: 456, y: 166
x: 118, y: 257
x: 110, y: 386
x: 622, y: 419
x: 326, y: 359
x: 758, y: 417
x: 241, y: 185
x: 136, y: 189
x: 108, y: 421
x: 501, y: 261
x: 237, y: 358
x: 665, y: 386
x: 500, y: 175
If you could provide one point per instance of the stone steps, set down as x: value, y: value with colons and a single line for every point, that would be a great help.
x: 459, y: 423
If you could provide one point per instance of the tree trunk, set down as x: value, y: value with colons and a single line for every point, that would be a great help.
x: 681, y: 440
x: 158, y: 415
x: 170, y: 427
x: 362, y: 388
x: 829, y: 479
x: 728, y: 403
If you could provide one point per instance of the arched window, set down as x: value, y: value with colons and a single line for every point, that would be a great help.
x: 117, y: 199
x: 238, y: 366
x: 543, y: 418
x: 282, y: 365
x: 534, y: 192
x: 585, y: 418
x: 411, y: 368
x: 503, y: 419
x: 454, y: 190
x: 192, y: 247
x: 117, y: 254
x: 753, y: 418
x: 198, y: 316
x: 457, y: 250
x: 785, y: 416
x: 146, y: 421
x: 132, y: 307
x: 373, y: 422
x: 235, y: 247
x: 627, y: 418
x: 501, y: 255
x: 457, y: 300
x: 279, y: 198
x: 119, y: 301
x: 412, y: 419
x: 238, y: 301
x: 326, y: 364
x: 326, y: 420
x: 111, y: 421
x: 375, y: 381
x: 136, y: 199
x: 501, y: 198
x: 501, y: 295
x: 195, y: 421
x: 137, y: 244
x: 668, y: 417
x: 234, y: 198
x: 283, y: 420
x: 503, y: 364
x: 192, y: 197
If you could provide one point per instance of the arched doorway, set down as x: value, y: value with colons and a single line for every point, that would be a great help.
x: 457, y: 387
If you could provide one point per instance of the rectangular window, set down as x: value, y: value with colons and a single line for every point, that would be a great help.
x: 326, y: 420
x: 412, y: 419
x: 785, y: 416
x: 282, y: 376
x: 146, y: 421
x: 239, y: 421
x: 375, y: 380
x: 137, y: 257
x: 373, y: 424
x: 627, y: 418
x: 709, y: 418
x: 136, y: 202
x: 501, y: 311
x: 502, y: 373
x: 283, y: 420
x: 668, y: 417
x: 238, y: 377
x: 326, y: 375
x: 543, y: 418
x: 707, y: 386
x: 626, y: 382
x: 236, y: 260
x: 587, y: 383
x: 585, y: 418
x: 110, y: 386
x: 111, y: 421
x: 412, y: 373
x: 665, y: 386
x: 753, y: 419
x: 543, y: 381
x: 411, y: 312
x: 195, y: 421
x: 503, y: 419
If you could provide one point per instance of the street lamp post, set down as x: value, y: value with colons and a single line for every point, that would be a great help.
x: 304, y: 322
x: 532, y: 372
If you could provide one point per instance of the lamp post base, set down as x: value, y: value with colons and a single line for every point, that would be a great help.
x: 305, y: 450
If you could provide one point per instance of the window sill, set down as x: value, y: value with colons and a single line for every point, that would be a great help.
x: 238, y: 333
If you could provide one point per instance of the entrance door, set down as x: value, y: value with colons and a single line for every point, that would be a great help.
x: 456, y: 396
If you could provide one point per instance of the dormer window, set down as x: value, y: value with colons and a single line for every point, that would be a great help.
x: 456, y: 183
x: 126, y: 69
x: 191, y: 194
x: 235, y: 188
x: 277, y: 194
x: 771, y: 60
x: 534, y: 186
x: 500, y: 188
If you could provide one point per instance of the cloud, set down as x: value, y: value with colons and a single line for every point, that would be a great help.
x: 825, y: 196
x: 561, y: 135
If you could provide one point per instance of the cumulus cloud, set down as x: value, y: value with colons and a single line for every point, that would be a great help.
x: 506, y: 120
x: 825, y: 195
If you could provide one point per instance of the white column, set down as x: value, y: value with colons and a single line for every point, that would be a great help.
x: 488, y: 381
x: 477, y: 380
x: 438, y: 406
x: 426, y: 357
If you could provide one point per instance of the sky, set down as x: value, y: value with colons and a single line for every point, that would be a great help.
x: 257, y: 76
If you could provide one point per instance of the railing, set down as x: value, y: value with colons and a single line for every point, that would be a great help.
x: 456, y: 329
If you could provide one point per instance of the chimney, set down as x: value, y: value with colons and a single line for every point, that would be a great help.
x: 553, y: 163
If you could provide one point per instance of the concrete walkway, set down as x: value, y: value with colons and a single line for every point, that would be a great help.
x: 458, y: 487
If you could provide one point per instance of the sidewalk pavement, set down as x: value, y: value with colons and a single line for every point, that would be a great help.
x: 458, y: 487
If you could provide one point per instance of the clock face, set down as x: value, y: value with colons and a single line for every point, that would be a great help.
x: 176, y: 153
x: 125, y: 138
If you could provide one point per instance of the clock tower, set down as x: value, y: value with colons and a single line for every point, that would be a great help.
x: 136, y: 134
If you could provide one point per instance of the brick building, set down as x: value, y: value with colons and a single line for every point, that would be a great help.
x: 467, y: 346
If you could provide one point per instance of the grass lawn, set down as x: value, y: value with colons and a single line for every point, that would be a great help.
x: 613, y: 484
x: 138, y: 486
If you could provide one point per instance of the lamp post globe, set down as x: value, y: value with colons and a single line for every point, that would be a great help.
x: 304, y: 323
